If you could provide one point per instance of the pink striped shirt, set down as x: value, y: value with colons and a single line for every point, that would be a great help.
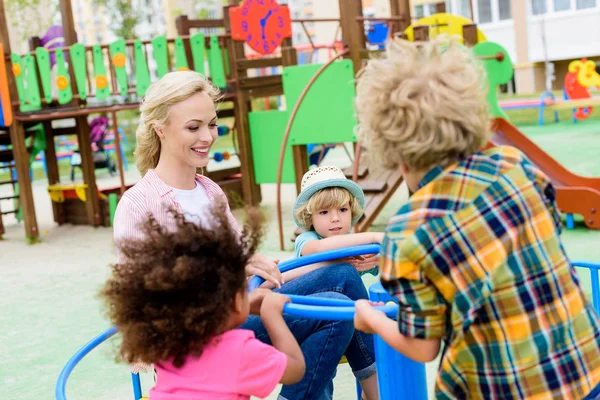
x: 151, y: 196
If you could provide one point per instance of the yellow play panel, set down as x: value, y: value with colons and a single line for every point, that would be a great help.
x: 444, y: 23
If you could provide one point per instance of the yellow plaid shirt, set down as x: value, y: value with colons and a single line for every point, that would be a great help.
x: 475, y: 259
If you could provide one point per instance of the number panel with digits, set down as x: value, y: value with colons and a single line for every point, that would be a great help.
x: 262, y: 24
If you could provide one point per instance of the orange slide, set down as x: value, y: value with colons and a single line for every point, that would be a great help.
x: 575, y: 194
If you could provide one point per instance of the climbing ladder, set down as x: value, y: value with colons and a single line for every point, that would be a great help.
x: 7, y: 162
x: 378, y: 187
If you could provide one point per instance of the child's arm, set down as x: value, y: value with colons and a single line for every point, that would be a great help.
x: 281, y: 337
x: 341, y: 241
x: 369, y: 320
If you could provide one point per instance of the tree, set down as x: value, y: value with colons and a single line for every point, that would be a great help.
x: 123, y: 17
x: 33, y: 19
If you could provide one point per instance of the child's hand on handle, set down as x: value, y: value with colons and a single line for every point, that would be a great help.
x: 256, y: 298
x: 378, y: 237
x: 366, y: 316
x: 271, y: 315
x: 265, y: 268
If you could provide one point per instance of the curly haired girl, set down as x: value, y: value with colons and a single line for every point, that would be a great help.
x: 178, y: 298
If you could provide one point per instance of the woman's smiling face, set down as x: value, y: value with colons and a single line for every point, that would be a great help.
x: 190, y: 131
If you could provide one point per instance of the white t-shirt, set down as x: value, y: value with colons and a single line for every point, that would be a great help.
x: 194, y: 203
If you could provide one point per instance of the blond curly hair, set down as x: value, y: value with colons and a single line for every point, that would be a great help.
x: 423, y: 104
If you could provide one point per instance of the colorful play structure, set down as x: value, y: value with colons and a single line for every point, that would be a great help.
x: 580, y: 77
x: 117, y: 75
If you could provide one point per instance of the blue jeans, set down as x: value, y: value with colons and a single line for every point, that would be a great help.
x: 324, y: 342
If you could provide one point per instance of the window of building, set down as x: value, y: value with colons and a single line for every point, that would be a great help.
x: 484, y: 11
x: 538, y: 7
x: 504, y: 11
x: 448, y: 6
x: 581, y: 4
x: 432, y: 9
x: 562, y: 5
x: 463, y: 8
x: 419, y: 11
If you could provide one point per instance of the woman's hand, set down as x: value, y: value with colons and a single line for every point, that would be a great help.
x: 364, y: 263
x: 256, y: 298
x: 265, y: 268
x: 366, y: 316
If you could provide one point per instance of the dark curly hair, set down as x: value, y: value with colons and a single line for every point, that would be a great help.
x: 173, y: 291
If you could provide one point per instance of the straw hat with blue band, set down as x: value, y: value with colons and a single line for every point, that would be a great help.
x: 325, y: 177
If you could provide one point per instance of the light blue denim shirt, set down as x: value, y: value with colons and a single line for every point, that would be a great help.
x: 306, y: 237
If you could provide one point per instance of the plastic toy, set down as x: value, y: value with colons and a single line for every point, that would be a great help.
x: 261, y: 24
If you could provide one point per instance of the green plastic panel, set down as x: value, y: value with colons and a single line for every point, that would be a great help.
x: 159, y: 50
x: 266, y: 134
x: 497, y: 72
x: 42, y: 57
x: 142, y: 73
x: 16, y: 64
x: 198, y: 50
x: 77, y: 53
x: 65, y: 94
x: 215, y: 63
x: 327, y: 113
x: 181, y: 63
x: 119, y: 62
x: 32, y: 89
x: 102, y: 85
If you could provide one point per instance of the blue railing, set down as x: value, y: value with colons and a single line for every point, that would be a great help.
x: 301, y: 306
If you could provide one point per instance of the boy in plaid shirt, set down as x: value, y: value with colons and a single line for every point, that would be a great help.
x: 474, y: 257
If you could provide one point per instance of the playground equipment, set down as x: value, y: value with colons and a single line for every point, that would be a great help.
x: 580, y: 77
x: 314, y: 82
x: 399, y: 377
x: 574, y: 194
x: 70, y: 94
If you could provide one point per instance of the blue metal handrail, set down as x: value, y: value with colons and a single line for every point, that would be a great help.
x: 301, y: 306
x: 61, y: 383
x: 329, y: 255
x: 594, y: 268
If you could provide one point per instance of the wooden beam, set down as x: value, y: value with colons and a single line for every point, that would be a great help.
x: 266, y: 91
x: 206, y: 23
x: 5, y: 40
x: 17, y: 138
x: 353, y: 36
x: 259, y: 63
x: 259, y: 81
x: 401, y: 8
x: 470, y: 35
x: 52, y: 170
x: 68, y: 23
x: 88, y: 169
x: 182, y: 23
x: 235, y: 49
x: 421, y: 33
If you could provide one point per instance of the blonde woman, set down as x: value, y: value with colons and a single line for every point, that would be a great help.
x: 475, y: 257
x: 178, y: 126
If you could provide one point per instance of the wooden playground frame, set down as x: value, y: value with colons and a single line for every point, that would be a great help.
x: 240, y: 89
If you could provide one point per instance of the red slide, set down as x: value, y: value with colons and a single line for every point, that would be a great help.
x: 575, y: 194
